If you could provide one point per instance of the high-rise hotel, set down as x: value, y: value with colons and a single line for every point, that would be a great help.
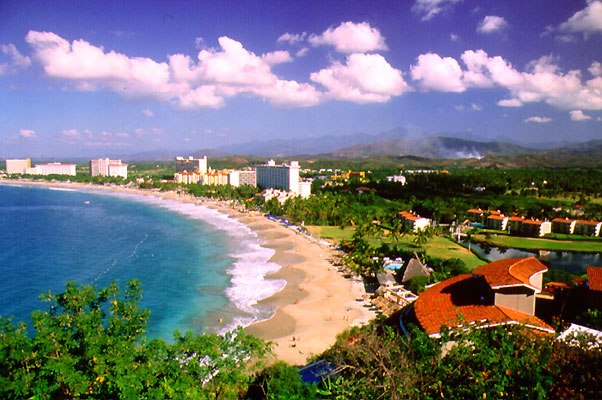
x: 106, y: 167
x: 282, y: 176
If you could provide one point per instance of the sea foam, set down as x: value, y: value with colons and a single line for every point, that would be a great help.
x: 248, y: 283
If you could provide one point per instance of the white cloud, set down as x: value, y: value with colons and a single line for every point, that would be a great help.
x: 587, y: 21
x: 578, y: 115
x: 539, y: 120
x: 277, y: 57
x: 302, y: 52
x: 475, y: 107
x: 148, y: 113
x: 595, y: 69
x: 70, y: 133
x: 350, y: 37
x: 436, y: 73
x: 491, y: 24
x: 292, y: 38
x: 510, y: 103
x: 365, y: 78
x: 219, y: 74
x: 17, y: 60
x: 199, y: 43
x: 542, y: 82
x: 454, y: 37
x: 431, y: 8
x: 28, y: 133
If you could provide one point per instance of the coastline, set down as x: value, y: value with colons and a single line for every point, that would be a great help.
x: 317, y: 302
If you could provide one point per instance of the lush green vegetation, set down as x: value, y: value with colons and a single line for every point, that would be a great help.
x: 91, y: 344
x: 593, y: 246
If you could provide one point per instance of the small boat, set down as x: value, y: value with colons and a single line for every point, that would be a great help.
x: 86, y: 202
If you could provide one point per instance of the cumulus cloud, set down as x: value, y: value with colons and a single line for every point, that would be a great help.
x: 491, y: 24
x: 148, y: 113
x: 218, y: 74
x: 578, y: 115
x: 350, y: 37
x: 595, y: 69
x: 543, y: 80
x: 437, y: 73
x: 292, y: 38
x: 27, y: 134
x: 17, y: 61
x: 365, y: 78
x: 539, y: 120
x: 302, y: 52
x: 510, y: 103
x: 586, y: 21
x: 430, y: 8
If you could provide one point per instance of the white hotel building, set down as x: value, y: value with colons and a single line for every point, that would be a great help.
x: 283, y: 177
x: 106, y: 167
x: 52, y: 168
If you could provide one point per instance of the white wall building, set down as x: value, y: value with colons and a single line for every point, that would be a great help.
x: 17, y: 166
x: 397, y: 178
x: 239, y: 178
x: 304, y: 189
x: 283, y: 176
x: 52, y: 168
x: 106, y: 167
x: 191, y: 164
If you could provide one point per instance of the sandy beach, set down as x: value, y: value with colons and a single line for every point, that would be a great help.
x: 317, y: 303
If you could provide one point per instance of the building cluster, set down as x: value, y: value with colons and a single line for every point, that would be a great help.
x: 23, y: 166
x: 284, y: 177
x: 107, y: 167
x: 414, y: 222
x: 520, y: 226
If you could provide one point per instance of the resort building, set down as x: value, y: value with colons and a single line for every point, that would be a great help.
x: 475, y: 214
x: 397, y: 178
x: 191, y: 164
x: 563, y: 225
x: 107, y: 167
x: 594, y: 282
x: 282, y: 176
x: 414, y: 222
x: 240, y: 178
x: 52, y: 168
x: 499, y: 293
x: 17, y: 166
x: 497, y: 222
x: 304, y: 189
x: 535, y: 228
x: 187, y: 177
x: 587, y: 228
x: 515, y: 225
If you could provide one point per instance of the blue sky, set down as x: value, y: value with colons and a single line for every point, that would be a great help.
x: 111, y: 77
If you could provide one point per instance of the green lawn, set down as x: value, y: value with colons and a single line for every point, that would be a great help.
x: 436, y: 247
x: 540, y: 244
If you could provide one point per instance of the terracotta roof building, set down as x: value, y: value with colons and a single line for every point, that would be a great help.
x: 587, y: 228
x: 563, y: 225
x: 497, y: 222
x: 498, y: 293
x: 594, y: 280
x: 414, y: 222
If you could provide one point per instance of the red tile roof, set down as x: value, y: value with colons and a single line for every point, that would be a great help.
x: 494, y: 212
x: 563, y: 220
x: 498, y: 217
x: 532, y: 222
x: 475, y: 211
x: 511, y: 272
x: 457, y: 301
x: 516, y: 219
x: 581, y: 221
x: 594, y: 276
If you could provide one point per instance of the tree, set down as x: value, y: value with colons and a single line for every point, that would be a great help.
x: 91, y: 345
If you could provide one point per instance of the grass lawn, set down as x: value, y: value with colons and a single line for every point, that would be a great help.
x: 436, y: 247
x: 541, y: 244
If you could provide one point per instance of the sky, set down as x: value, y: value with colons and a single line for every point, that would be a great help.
x: 110, y: 77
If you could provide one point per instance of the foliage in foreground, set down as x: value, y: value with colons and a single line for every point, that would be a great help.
x: 92, y: 345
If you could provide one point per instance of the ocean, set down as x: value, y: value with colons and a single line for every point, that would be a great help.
x: 199, y: 269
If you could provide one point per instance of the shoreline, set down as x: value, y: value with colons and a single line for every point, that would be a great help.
x: 317, y: 302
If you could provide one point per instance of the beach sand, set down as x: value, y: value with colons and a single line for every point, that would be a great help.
x: 317, y: 303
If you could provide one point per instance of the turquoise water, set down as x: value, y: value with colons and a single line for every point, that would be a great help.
x: 195, y: 264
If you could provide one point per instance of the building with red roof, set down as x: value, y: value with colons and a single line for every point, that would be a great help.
x: 499, y: 293
x: 587, y: 228
x: 414, y: 222
x: 563, y: 225
x: 497, y: 222
x: 536, y: 228
x: 594, y: 281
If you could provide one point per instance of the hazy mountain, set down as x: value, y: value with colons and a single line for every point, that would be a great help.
x: 432, y: 147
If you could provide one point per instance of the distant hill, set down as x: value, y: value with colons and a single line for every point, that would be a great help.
x: 431, y: 147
